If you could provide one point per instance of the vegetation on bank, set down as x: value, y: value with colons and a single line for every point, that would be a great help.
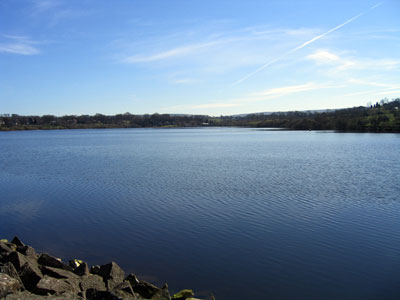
x: 383, y: 116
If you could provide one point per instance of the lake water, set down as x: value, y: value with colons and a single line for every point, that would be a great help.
x: 243, y: 213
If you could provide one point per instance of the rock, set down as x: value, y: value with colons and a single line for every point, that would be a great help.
x: 132, y: 279
x: 30, y: 275
x: 16, y: 241
x: 162, y: 294
x: 17, y: 259
x: 95, y: 270
x: 25, y: 295
x: 112, y: 275
x: 182, y: 295
x: 94, y: 282
x: 27, y: 251
x: 28, y: 296
x: 82, y: 270
x: 125, y: 286
x: 92, y: 294
x: 5, y: 249
x: 120, y: 294
x: 145, y: 289
x: 58, y: 273
x: 10, y: 270
x: 69, y: 277
x: 8, y: 285
x: 50, y: 261
x: 50, y: 285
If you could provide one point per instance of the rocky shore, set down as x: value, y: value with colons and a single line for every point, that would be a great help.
x: 25, y: 274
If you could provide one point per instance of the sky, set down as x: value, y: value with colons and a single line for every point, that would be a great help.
x: 64, y: 57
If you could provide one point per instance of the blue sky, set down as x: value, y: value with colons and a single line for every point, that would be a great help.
x: 199, y: 57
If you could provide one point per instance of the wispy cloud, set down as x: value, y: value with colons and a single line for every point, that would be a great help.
x: 175, y: 52
x: 381, y: 88
x: 183, y: 80
x: 212, y: 49
x: 371, y: 83
x: 278, y: 92
x: 56, y: 11
x: 18, y: 45
x: 301, y: 46
x: 268, y: 94
x: 41, y: 6
x: 325, y: 57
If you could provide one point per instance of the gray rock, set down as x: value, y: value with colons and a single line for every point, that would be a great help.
x: 121, y: 294
x: 132, y: 279
x: 25, y: 295
x: 27, y: 251
x: 30, y: 275
x: 10, y: 270
x: 17, y: 259
x: 16, y: 241
x: 162, y: 294
x: 125, y: 286
x: 94, y: 282
x: 82, y: 270
x: 92, y: 294
x: 29, y: 296
x: 50, y: 285
x: 5, y: 249
x: 50, y: 261
x: 144, y: 289
x: 8, y: 285
x: 112, y: 275
x: 58, y: 273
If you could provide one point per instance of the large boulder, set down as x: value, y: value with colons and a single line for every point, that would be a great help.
x: 82, y: 269
x: 5, y: 248
x: 27, y: 251
x: 94, y: 282
x: 58, y: 273
x: 17, y: 259
x: 112, y: 275
x: 125, y: 286
x: 49, y: 285
x: 28, y: 296
x: 30, y: 275
x: 16, y: 241
x: 8, y: 285
x: 92, y: 294
x: 50, y: 261
x: 147, y: 290
x: 9, y: 269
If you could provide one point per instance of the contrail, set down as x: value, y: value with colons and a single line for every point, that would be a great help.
x: 303, y: 45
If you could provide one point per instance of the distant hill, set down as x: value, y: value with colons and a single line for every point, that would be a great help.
x: 380, y: 117
x: 266, y: 113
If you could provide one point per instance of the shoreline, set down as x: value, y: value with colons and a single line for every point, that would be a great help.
x: 25, y: 274
x: 19, y: 129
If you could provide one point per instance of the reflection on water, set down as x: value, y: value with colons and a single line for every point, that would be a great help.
x: 247, y: 214
x: 23, y: 210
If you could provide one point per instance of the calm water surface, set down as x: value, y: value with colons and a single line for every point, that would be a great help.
x: 244, y: 213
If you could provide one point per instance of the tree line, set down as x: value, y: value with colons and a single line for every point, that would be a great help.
x: 383, y: 116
